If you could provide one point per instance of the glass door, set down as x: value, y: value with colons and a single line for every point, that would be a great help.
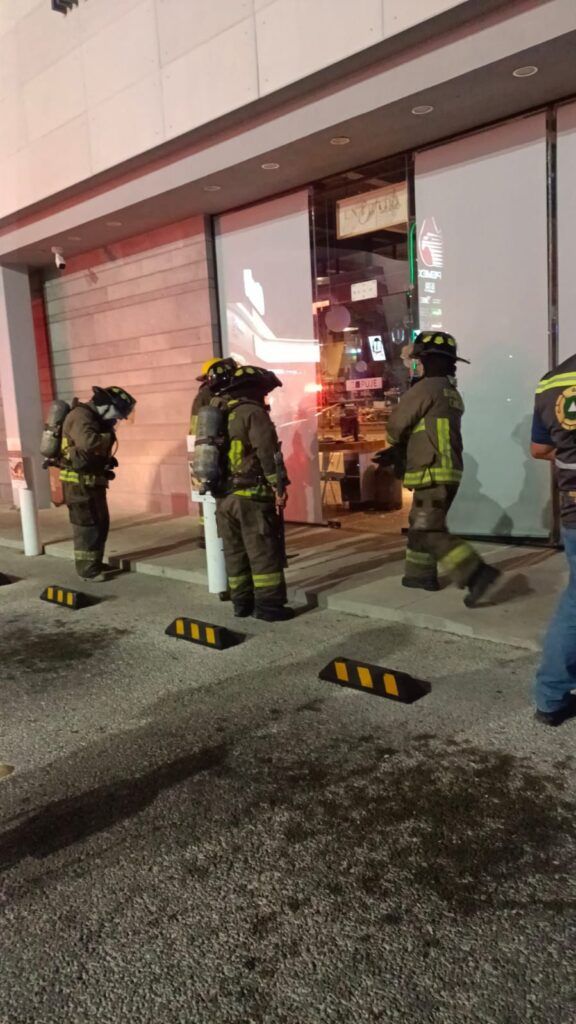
x: 364, y: 302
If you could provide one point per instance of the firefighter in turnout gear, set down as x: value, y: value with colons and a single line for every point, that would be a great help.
x: 424, y: 431
x: 203, y: 397
x: 87, y: 460
x: 247, y: 499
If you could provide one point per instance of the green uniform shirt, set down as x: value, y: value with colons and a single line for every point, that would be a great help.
x: 427, y: 421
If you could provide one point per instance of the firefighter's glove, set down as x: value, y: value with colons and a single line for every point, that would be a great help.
x: 109, y: 475
x: 112, y: 463
x: 385, y: 457
x: 394, y: 457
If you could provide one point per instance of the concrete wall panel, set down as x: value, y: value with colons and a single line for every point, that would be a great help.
x: 296, y: 38
x: 54, y: 97
x: 124, y: 52
x: 179, y: 33
x: 141, y: 72
x: 195, y: 93
x: 44, y: 40
x: 140, y: 106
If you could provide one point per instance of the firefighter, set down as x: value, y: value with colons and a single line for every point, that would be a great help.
x: 87, y: 460
x: 424, y: 431
x: 554, y: 440
x: 251, y: 493
x: 203, y: 397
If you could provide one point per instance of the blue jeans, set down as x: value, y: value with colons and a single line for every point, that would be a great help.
x: 556, y: 676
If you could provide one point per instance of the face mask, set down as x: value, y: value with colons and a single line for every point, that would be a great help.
x: 108, y: 413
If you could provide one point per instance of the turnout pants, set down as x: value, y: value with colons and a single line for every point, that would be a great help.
x: 250, y: 532
x: 90, y: 521
x: 429, y: 543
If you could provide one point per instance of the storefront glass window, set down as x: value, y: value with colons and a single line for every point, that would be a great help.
x: 364, y: 302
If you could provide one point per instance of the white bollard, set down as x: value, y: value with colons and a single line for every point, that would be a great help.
x: 29, y: 518
x: 217, y: 578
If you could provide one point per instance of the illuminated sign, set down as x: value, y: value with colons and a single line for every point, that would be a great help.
x: 379, y: 210
x: 364, y: 290
x: 376, y: 347
x: 364, y: 384
x: 431, y: 244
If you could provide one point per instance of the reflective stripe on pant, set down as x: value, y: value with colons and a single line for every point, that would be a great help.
x: 556, y: 676
x: 90, y: 521
x: 250, y: 534
x: 431, y: 546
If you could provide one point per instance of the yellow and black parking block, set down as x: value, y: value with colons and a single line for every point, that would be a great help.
x: 382, y: 682
x: 65, y: 598
x: 204, y: 633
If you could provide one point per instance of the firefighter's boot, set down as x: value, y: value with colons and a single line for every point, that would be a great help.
x: 482, y: 583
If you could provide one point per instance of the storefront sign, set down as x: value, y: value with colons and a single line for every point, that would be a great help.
x: 364, y: 384
x: 364, y: 290
x: 372, y: 211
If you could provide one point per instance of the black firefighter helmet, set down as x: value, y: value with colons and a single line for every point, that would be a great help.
x: 223, y: 380
x: 120, y: 399
x: 439, y: 343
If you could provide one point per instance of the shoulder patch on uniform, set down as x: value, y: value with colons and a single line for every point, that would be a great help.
x: 565, y: 409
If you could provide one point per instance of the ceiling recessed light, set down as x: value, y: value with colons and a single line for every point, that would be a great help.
x: 113, y: 223
x: 74, y: 238
x: 423, y: 109
x: 212, y: 188
x: 526, y: 72
x: 271, y: 166
x: 339, y: 140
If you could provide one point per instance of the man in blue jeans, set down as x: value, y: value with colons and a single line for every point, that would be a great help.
x: 554, y: 439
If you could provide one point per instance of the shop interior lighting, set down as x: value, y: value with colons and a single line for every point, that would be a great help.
x: 526, y: 72
x: 74, y: 238
x: 113, y: 223
x: 423, y: 109
x: 339, y: 140
x: 212, y: 188
x: 271, y: 166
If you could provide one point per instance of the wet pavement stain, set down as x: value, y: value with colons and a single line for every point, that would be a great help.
x: 46, y: 649
x: 458, y: 823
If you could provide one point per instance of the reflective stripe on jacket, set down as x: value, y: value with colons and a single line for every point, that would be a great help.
x: 427, y: 420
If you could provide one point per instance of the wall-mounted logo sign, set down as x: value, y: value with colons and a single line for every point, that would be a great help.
x: 63, y: 6
x: 381, y: 209
x: 430, y: 244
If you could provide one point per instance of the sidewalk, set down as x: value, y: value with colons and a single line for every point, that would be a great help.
x: 345, y: 571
